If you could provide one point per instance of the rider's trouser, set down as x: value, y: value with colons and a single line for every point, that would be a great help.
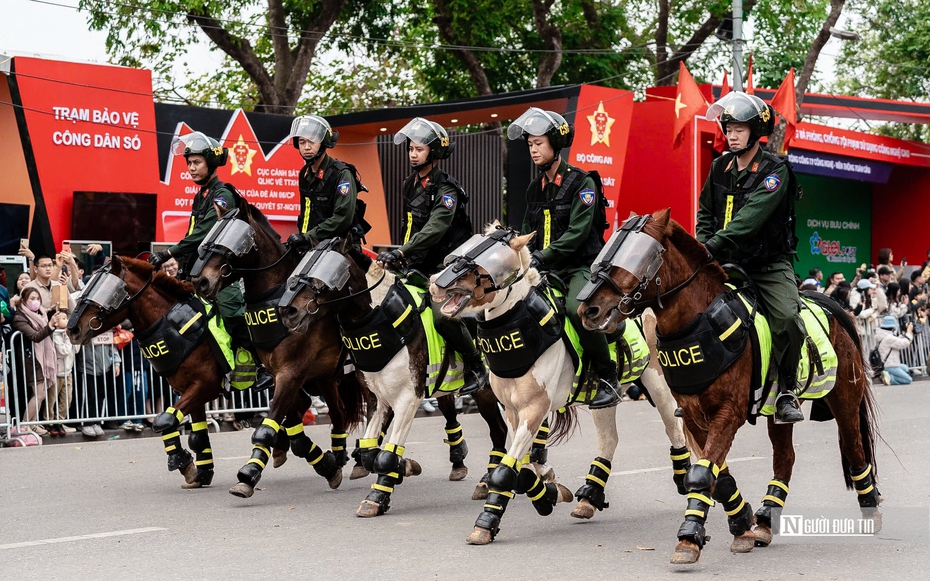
x: 454, y: 332
x: 777, y: 291
x: 593, y: 343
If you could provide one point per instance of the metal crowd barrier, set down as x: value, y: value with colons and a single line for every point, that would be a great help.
x: 914, y: 357
x: 93, y: 392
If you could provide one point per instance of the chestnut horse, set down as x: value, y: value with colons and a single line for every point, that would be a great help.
x: 244, y: 244
x: 129, y: 288
x: 672, y: 273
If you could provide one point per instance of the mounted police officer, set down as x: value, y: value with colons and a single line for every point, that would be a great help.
x: 563, y: 209
x: 204, y: 155
x: 435, y: 224
x: 746, y: 217
x: 329, y: 204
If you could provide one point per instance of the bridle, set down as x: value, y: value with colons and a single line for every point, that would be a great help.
x: 108, y: 312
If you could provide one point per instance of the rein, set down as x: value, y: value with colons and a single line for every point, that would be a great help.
x: 351, y: 295
x: 260, y: 268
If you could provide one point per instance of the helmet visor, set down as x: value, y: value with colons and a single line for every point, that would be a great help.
x: 534, y: 122
x: 195, y: 142
x: 310, y: 127
x: 418, y: 130
x: 737, y: 107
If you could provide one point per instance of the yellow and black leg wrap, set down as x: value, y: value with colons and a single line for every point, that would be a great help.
x: 698, y: 481
x: 775, y: 497
x: 178, y: 457
x: 868, y: 496
x: 493, y: 461
x: 458, y: 449
x: 739, y: 513
x: 323, y: 463
x: 338, y: 440
x: 199, y: 442
x: 594, y: 483
x: 366, y: 450
x: 262, y: 441
x: 168, y: 421
x: 543, y: 496
x: 681, y: 462
x: 501, y: 482
x: 390, y: 466
x: 538, y: 452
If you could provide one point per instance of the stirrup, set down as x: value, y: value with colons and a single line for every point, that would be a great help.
x: 608, y: 395
x: 795, y: 407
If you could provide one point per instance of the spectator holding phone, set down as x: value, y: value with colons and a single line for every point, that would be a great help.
x: 890, y: 344
x: 45, y: 281
x: 885, y: 258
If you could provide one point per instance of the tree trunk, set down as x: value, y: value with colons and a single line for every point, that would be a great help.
x: 443, y: 22
x: 552, y: 39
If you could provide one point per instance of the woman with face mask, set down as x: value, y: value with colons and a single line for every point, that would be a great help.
x: 41, y: 360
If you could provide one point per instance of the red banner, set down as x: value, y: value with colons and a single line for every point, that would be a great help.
x: 857, y: 144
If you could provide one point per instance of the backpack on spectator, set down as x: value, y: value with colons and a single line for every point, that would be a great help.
x: 876, y: 361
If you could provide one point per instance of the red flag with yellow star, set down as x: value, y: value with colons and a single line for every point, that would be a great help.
x: 688, y: 102
x: 785, y: 104
x: 720, y: 140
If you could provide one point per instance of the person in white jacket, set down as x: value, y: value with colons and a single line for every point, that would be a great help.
x: 60, y: 392
x: 890, y: 344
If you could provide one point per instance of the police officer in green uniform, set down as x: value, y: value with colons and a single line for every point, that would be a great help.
x: 746, y: 217
x: 328, y: 189
x: 435, y: 224
x: 562, y: 209
x: 204, y: 155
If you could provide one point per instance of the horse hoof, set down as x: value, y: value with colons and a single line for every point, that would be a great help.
x: 358, y: 472
x: 545, y: 472
x: 242, y: 490
x: 191, y: 485
x: 743, y: 543
x: 368, y: 509
x: 584, y: 509
x: 565, y: 495
x: 479, y: 536
x: 481, y: 492
x: 686, y: 553
x: 190, y: 473
x: 763, y: 535
x: 336, y: 480
x: 413, y: 468
x: 458, y: 474
x: 279, y: 457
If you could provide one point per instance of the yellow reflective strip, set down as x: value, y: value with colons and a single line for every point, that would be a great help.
x: 601, y: 466
x: 494, y: 507
x: 338, y: 448
x: 539, y: 441
x: 593, y: 478
x: 393, y: 474
x: 198, y: 426
x: 708, y: 464
x: 729, y: 331
x: 737, y: 509
x: 207, y: 451
x: 781, y: 485
x: 262, y: 448
x: 682, y: 471
x: 399, y: 450
x: 492, y: 466
x: 496, y: 453
x: 508, y: 461
x: 170, y: 448
x: 190, y: 229
x: 203, y: 462
x: 867, y: 490
x: 540, y: 495
x: 735, y: 496
x: 456, y: 442
x: 724, y: 465
x: 680, y: 456
x: 294, y: 430
x: 547, y: 228
x: 409, y: 226
x: 171, y: 435
x: 401, y: 318
x: 388, y: 489
x: 368, y: 442
x: 271, y: 423
x: 256, y: 461
x: 774, y: 499
x: 179, y: 414
x: 189, y: 323
x: 545, y: 319
x: 339, y: 436
x: 703, y: 498
x: 453, y: 430
x: 728, y: 214
x: 693, y: 512
x: 306, y: 225
x: 506, y: 493
x: 866, y: 472
x: 544, y: 428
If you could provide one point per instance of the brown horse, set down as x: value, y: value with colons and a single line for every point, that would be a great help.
x: 129, y: 288
x: 673, y: 275
x: 302, y: 364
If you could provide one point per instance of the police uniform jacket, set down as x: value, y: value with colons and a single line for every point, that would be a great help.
x: 327, y: 200
x: 435, y: 222
x: 203, y: 218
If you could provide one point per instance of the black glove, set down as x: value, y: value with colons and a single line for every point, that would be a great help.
x: 712, y: 249
x: 537, y: 261
x: 295, y: 240
x: 159, y: 258
x: 391, y: 257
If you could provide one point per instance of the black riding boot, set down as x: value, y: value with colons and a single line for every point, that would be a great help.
x: 787, y: 406
x: 476, y: 374
x: 608, y: 388
x: 263, y: 379
x: 460, y: 340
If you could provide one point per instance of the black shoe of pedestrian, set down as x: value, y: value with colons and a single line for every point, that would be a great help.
x: 788, y: 409
x: 263, y: 379
x: 476, y: 375
x: 608, y: 395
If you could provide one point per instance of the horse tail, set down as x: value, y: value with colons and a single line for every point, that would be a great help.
x: 563, y: 426
x: 868, y: 432
x: 353, y: 396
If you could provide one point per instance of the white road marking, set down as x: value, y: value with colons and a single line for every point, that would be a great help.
x: 81, y: 538
x: 664, y: 468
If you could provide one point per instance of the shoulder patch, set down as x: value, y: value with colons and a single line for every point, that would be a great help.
x: 343, y: 188
x: 221, y: 202
x: 771, y: 182
x: 448, y: 200
x: 587, y: 196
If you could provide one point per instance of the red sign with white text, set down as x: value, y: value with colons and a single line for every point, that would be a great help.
x: 858, y: 144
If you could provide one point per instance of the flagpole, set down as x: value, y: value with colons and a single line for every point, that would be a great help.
x: 738, y: 45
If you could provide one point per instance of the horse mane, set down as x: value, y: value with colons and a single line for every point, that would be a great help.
x: 162, y: 281
x: 688, y: 246
x: 261, y: 220
x: 532, y: 276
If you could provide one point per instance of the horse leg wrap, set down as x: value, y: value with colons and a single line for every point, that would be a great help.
x: 262, y: 440
x: 538, y: 452
x: 458, y: 449
x: 168, y: 421
x: 178, y: 457
x: 865, y: 486
x: 681, y: 462
x: 199, y: 442
x: 390, y: 465
x: 699, y: 480
x: 543, y: 496
x: 595, y: 481
x: 739, y: 513
x: 490, y: 517
x: 338, y: 446
x: 494, y: 460
x: 504, y: 477
x: 775, y: 497
x: 366, y: 450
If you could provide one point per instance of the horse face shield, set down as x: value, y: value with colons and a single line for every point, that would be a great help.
x: 320, y: 269
x: 105, y: 291
x: 229, y: 237
x: 491, y: 253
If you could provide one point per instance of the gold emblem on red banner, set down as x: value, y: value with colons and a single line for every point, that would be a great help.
x: 242, y: 157
x: 600, y: 125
